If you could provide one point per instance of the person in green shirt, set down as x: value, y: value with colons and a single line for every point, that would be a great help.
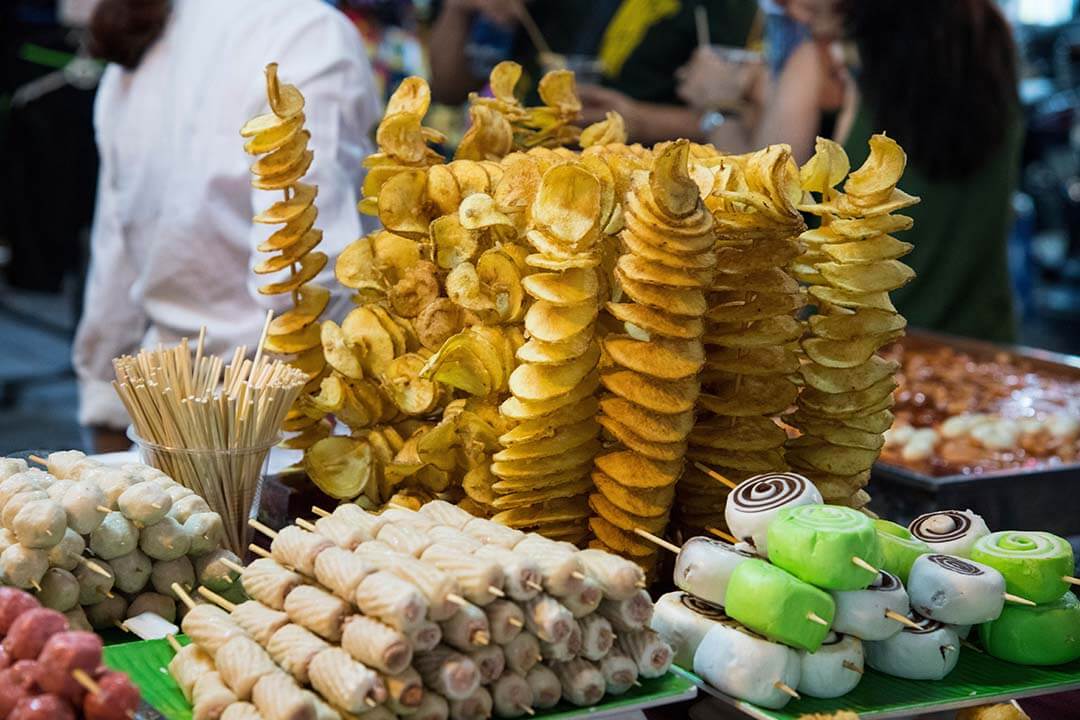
x: 638, y: 45
x: 940, y: 78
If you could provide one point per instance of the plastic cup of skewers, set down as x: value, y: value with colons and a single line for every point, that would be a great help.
x: 229, y: 479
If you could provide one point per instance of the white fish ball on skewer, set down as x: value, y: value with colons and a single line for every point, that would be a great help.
x: 40, y: 524
x: 747, y: 666
x: 165, y: 540
x: 144, y: 503
x: 834, y: 669
x: 165, y: 574
x: 115, y: 536
x: 85, y: 505
x: 205, y: 532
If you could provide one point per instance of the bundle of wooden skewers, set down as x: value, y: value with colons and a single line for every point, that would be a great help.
x: 206, y: 424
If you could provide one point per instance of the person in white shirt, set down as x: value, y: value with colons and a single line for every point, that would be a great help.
x: 173, y: 243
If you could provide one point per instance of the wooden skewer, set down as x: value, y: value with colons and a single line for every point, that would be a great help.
x: 787, y: 689
x: 950, y: 648
x: 102, y: 508
x: 496, y: 591
x: 261, y: 552
x: 457, y: 599
x: 972, y: 646
x: 109, y: 594
x: 533, y: 585
x: 36, y: 585
x: 641, y: 584
x: 516, y: 622
x: 902, y: 619
x: 305, y: 525
x: 38, y: 460
x: 481, y: 638
x: 121, y: 626
x: 216, y: 599
x: 723, y: 535
x: 637, y: 684
x: 1071, y: 580
x: 181, y: 593
x: 577, y: 575
x: 814, y: 617
x: 235, y: 567
x: 527, y: 710
x: 173, y: 643
x: 94, y: 567
x: 319, y: 511
x: 265, y: 530
x: 848, y: 665
x: 657, y: 540
x: 1018, y: 600
x: 715, y: 475
x: 85, y: 680
x: 370, y: 702
x: 856, y: 560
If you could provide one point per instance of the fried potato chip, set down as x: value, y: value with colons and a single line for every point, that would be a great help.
x: 294, y: 342
x: 401, y: 136
x: 412, y: 96
x: 738, y: 307
x: 857, y: 324
x: 633, y: 470
x: 339, y: 466
x: 363, y: 329
x: 773, y: 280
x: 539, y: 352
x: 881, y: 247
x: 309, y: 306
x: 458, y: 365
x: 749, y: 395
x: 877, y: 422
x: 478, y: 211
x: 503, y: 79
x: 622, y: 519
x: 498, y: 272
x: 846, y: 353
x: 848, y: 403
x: 611, y: 130
x: 293, y: 233
x: 517, y: 409
x: 621, y: 541
x: 768, y: 332
x: 746, y: 434
x: 656, y: 321
x: 880, y: 276
x: 836, y: 433
x: 644, y: 248
x: 339, y: 353
x: 268, y: 132
x: 411, y: 394
x: 642, y: 270
x: 544, y: 382
x: 835, y: 459
x: 651, y: 449
x: 526, y: 483
x: 661, y: 396
x: 417, y: 289
x: 285, y: 100
x: 546, y: 262
x: 557, y: 90
x: 848, y: 379
x: 646, y: 502
x: 284, y: 211
x: 753, y: 361
x: 761, y: 255
x: 873, y: 183
x: 826, y: 168
x: 290, y: 255
x: 453, y: 244
x: 568, y: 438
x: 546, y: 465
x: 283, y: 159
x: 287, y: 177
x: 442, y: 189
x: 672, y: 187
x: 529, y: 498
x: 557, y: 323
x: 439, y: 321
x: 678, y: 301
x: 568, y: 203
x: 652, y: 426
x: 758, y: 461
x: 463, y: 287
x: 402, y: 203
x: 852, y: 300
x: 547, y: 426
x: 552, y: 511
x: 572, y: 287
x: 395, y: 331
x: 665, y: 359
x: 471, y: 177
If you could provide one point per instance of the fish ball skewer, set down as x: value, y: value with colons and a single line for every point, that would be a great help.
x: 85, y: 506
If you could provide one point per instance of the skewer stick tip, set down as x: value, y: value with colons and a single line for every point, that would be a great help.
x: 497, y: 592
x: 319, y: 511
x: 577, y: 575
x: 265, y: 530
x: 260, y: 551
x: 36, y: 585
x: 528, y: 710
x: 84, y: 679
x: 38, y: 460
x: 179, y: 591
x: 787, y: 689
x: 533, y: 585
x: 103, y: 509
x: 1071, y: 580
x: 637, y: 683
x: 370, y: 702
x: 657, y: 540
x: 173, y: 642
x: 814, y: 617
x: 1018, y: 600
x: 723, y: 535
x: 856, y: 560
x: 902, y: 619
x: 516, y: 622
x: 715, y: 475
x: 848, y: 665
x: 456, y: 599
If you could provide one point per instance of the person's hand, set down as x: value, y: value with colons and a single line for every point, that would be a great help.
x: 710, y: 82
x: 597, y: 101
x: 500, y: 12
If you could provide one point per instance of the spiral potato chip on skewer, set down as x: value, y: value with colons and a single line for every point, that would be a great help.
x: 851, y: 264
x: 651, y: 368
x: 280, y: 142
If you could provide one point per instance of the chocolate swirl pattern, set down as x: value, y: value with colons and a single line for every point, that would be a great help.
x: 941, y: 526
x: 769, y: 491
x: 956, y: 565
x: 889, y: 582
x: 707, y: 609
x: 925, y: 626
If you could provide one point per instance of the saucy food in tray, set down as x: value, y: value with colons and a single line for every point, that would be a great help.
x: 959, y: 413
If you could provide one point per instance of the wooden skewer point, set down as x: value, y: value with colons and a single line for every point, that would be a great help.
x: 528, y: 710
x: 456, y: 599
x: 902, y: 619
x: 305, y: 525
x: 235, y: 567
x: 657, y: 540
x: 577, y: 575
x: 856, y: 560
x: 1018, y: 600
x: 641, y: 584
x: 496, y: 591
x: 848, y: 665
x: 1071, y: 580
x: 260, y: 551
x: 972, y: 646
x: 265, y: 530
x: 516, y: 622
x: 122, y: 626
x: 481, y: 638
x: 715, y: 475
x: 950, y: 648
x: 179, y: 591
x: 38, y: 460
x: 216, y: 599
x: 533, y: 585
x: 787, y: 689
x: 94, y: 567
x: 36, y: 585
x: 723, y: 535
x: 103, y: 509
x: 637, y: 684
x: 173, y: 643
x: 814, y: 617
x: 109, y: 594
x: 85, y: 680
x: 370, y: 702
x: 319, y: 511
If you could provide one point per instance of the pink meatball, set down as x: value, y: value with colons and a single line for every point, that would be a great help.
x: 14, y: 603
x: 42, y: 707
x: 10, y: 695
x: 117, y: 699
x: 64, y: 653
x: 30, y: 632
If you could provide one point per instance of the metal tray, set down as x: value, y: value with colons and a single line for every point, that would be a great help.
x: 1047, y: 498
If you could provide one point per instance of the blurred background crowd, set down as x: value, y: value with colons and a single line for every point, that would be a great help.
x: 983, y: 94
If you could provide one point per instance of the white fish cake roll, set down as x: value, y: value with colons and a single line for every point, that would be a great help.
x: 505, y: 619
x: 343, y: 533
x: 293, y: 648
x: 278, y: 697
x: 241, y: 711
x: 628, y: 615
x: 392, y: 600
x: 522, y: 653
x: 341, y: 571
x: 376, y: 645
x: 448, y: 672
x: 489, y: 532
x: 618, y: 577
x: 241, y: 662
x: 356, y: 516
x: 444, y: 513
x: 597, y: 637
x: 620, y: 672
x: 477, y: 706
x: 269, y: 583
x: 545, y: 685
x: 522, y: 577
x: 648, y: 650
x: 409, y: 540
x: 298, y: 549
x: 467, y: 629
x: 425, y: 636
x: 582, y: 682
x: 512, y: 696
x: 586, y: 601
x: 187, y: 666
x: 490, y: 661
x: 344, y: 682
x: 258, y: 620
x: 210, y: 627
x: 210, y: 697
x: 318, y: 611
x: 476, y: 577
